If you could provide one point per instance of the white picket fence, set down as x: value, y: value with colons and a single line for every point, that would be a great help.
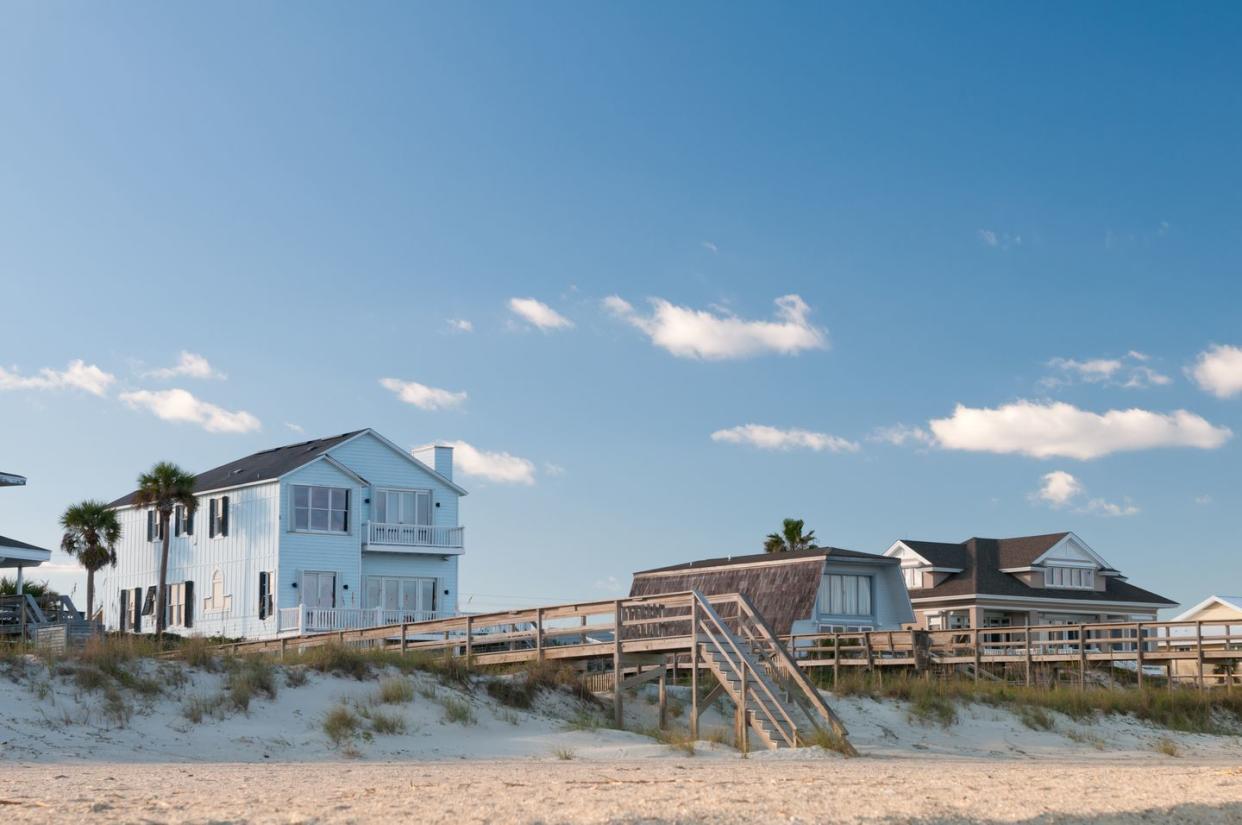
x: 300, y: 620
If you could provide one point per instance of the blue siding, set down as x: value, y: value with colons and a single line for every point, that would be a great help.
x: 333, y: 553
x: 379, y: 464
x: 417, y: 566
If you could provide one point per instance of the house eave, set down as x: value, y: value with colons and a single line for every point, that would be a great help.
x: 932, y: 600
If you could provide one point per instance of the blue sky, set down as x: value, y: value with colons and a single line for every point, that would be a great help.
x: 977, y: 205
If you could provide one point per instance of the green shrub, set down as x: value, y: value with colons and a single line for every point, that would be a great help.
x: 341, y: 725
x: 338, y: 660
x: 296, y: 676
x: 395, y: 691
x: 459, y: 711
x: 1035, y: 718
x: 387, y: 723
x: 249, y: 678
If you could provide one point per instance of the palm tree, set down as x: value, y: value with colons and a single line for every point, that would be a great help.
x: 91, y: 534
x: 789, y: 538
x: 164, y: 487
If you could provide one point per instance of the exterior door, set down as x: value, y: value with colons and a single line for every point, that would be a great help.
x: 318, y: 589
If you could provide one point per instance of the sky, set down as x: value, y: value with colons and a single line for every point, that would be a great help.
x: 665, y: 273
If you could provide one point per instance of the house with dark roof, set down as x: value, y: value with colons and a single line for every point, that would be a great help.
x: 14, y: 553
x: 1040, y: 580
x: 335, y: 533
x: 822, y: 589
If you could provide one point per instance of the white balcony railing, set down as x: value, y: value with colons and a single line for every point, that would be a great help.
x: 301, y: 620
x: 414, y: 535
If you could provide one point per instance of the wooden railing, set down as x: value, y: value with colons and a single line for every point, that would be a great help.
x: 1142, y: 646
x: 414, y: 535
x: 301, y: 620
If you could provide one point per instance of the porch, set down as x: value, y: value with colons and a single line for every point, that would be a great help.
x: 300, y: 620
x: 381, y: 536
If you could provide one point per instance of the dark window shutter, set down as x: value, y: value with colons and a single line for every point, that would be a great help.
x: 224, y: 516
x: 150, y: 525
x: 148, y: 604
x: 346, y: 511
x: 177, y: 517
x: 124, y: 610
x: 188, y: 589
x: 262, y: 596
x: 211, y: 519
x: 137, y: 609
x: 189, y: 523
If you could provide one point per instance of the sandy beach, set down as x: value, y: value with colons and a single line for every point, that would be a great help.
x: 664, y: 791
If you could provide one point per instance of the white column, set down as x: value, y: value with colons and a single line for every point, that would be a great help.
x: 21, y: 581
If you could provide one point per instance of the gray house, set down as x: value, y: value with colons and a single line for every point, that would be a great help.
x: 820, y: 590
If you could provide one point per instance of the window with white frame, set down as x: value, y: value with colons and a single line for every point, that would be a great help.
x: 409, y: 595
x: 913, y: 577
x: 401, y: 507
x: 320, y: 509
x: 176, y: 604
x: 1073, y: 578
x: 844, y: 595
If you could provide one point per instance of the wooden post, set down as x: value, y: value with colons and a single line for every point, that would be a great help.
x: 914, y: 650
x: 975, y: 637
x: 867, y: 642
x: 1082, y: 657
x: 469, y: 635
x: 340, y: 637
x: 283, y: 642
x: 1138, y: 654
x: 1027, y: 644
x: 694, y: 669
x: 742, y: 736
x: 539, y: 634
x: 404, y: 644
x: 836, y: 659
x: 1199, y: 651
x: 663, y: 701
x: 617, y: 709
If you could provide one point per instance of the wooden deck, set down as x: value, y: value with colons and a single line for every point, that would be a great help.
x: 657, y: 629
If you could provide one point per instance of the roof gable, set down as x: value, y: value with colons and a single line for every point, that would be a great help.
x: 1228, y: 602
x: 407, y: 456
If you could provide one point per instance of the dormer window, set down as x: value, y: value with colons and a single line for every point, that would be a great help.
x: 913, y: 576
x: 1070, y: 578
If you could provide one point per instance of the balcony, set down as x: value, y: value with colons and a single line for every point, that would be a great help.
x: 395, y: 538
x: 301, y: 620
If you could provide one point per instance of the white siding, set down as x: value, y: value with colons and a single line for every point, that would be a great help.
x: 250, y: 547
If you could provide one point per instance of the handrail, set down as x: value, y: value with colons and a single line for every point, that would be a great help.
x: 710, y: 611
x: 792, y: 671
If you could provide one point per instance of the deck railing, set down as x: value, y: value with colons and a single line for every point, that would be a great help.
x: 299, y: 620
x: 414, y: 535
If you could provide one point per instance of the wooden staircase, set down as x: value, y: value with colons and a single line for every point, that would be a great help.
x: 774, y: 699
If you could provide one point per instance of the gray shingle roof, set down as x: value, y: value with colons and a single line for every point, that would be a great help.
x: 812, y: 553
x: 260, y: 466
x: 981, y: 561
x: 20, y: 545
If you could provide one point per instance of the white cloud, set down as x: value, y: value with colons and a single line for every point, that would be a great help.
x: 78, y: 375
x: 710, y: 247
x: 998, y: 240
x: 550, y: 469
x: 1218, y: 370
x: 189, y: 364
x: 1130, y: 372
x: 460, y: 325
x: 297, y: 428
x: 774, y: 438
x: 538, y: 314
x: 500, y: 467
x: 180, y: 405
x: 695, y: 333
x: 1049, y: 429
x: 423, y: 396
x: 1203, y: 500
x: 1060, y: 489
x: 900, y: 434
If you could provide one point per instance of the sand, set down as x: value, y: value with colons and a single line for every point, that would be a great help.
x: 63, y: 755
x: 682, y: 790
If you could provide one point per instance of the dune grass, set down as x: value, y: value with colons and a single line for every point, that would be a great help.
x: 1183, y: 710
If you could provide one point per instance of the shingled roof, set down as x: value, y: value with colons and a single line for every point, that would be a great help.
x: 261, y: 466
x: 757, y: 558
x: 981, y: 561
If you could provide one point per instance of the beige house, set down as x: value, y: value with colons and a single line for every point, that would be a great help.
x: 1038, y: 580
x: 1221, y: 629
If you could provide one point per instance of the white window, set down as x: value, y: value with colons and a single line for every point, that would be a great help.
x: 846, y: 595
x: 176, y: 604
x: 318, y: 589
x: 216, y: 601
x: 1072, y: 578
x: 320, y: 509
x: 401, y: 507
x: 410, y: 596
x: 913, y: 576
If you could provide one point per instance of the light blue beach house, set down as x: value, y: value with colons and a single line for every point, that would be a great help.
x: 342, y: 532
